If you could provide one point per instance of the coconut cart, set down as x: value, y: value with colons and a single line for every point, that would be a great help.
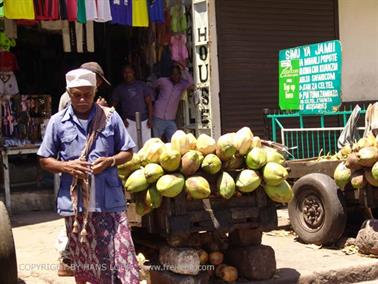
x: 318, y: 211
x: 8, y: 262
x: 200, y: 222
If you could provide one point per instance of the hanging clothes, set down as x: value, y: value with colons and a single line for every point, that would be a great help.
x: 1, y: 8
x: 140, y: 13
x: 81, y: 13
x: 21, y: 9
x: 178, y: 48
x: 78, y: 37
x: 156, y: 10
x: 8, y: 62
x: 103, y: 11
x: 91, y: 10
x: 5, y: 42
x: 46, y: 10
x: 163, y: 30
x: 121, y: 12
x: 178, y: 19
x: 71, y: 9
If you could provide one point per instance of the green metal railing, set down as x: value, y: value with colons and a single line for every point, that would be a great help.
x: 307, y: 142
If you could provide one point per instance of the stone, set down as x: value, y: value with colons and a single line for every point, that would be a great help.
x: 245, y: 237
x: 167, y: 277
x: 180, y: 260
x: 367, y: 237
x: 253, y: 262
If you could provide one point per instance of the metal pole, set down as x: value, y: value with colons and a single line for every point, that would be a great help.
x: 138, y: 124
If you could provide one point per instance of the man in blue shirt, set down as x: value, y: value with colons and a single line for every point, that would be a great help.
x: 67, y: 134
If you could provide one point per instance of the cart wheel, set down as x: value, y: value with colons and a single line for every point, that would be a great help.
x: 8, y: 262
x: 316, y: 211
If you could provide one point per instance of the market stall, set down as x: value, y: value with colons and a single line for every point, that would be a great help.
x: 45, y: 39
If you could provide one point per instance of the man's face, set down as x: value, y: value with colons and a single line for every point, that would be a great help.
x: 82, y: 99
x: 176, y: 76
x: 128, y: 74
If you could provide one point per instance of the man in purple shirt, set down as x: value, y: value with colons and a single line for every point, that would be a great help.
x: 134, y: 96
x: 167, y: 102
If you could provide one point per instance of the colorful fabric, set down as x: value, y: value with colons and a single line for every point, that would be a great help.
x: 108, y: 256
x: 71, y: 9
x: 91, y: 10
x: 103, y: 11
x: 178, y: 48
x: 6, y: 43
x: 81, y: 13
x: 8, y: 62
x: 21, y: 9
x: 121, y: 12
x: 8, y: 84
x: 1, y: 8
x: 156, y: 11
x: 46, y: 9
x: 178, y: 20
x: 65, y: 138
x: 140, y: 13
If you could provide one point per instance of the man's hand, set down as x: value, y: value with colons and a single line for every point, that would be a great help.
x: 102, y: 102
x: 101, y: 164
x: 149, y: 123
x: 126, y: 123
x: 77, y: 168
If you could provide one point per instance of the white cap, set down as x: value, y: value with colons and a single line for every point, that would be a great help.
x: 80, y: 78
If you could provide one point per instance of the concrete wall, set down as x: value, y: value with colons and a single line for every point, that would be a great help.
x: 358, y: 21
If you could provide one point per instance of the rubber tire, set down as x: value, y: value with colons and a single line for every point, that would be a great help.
x: 334, y: 216
x: 8, y: 261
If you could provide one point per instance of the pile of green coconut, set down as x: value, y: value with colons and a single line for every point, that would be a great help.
x: 236, y: 164
x: 360, y: 165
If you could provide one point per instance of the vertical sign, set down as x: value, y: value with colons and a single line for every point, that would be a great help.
x: 310, y: 77
x: 202, y: 62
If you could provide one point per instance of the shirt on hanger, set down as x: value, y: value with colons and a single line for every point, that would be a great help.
x: 91, y: 10
x: 140, y: 13
x: 121, y: 12
x: 1, y: 8
x: 21, y: 9
x: 81, y: 13
x: 178, y: 20
x: 8, y: 62
x: 103, y: 11
x: 46, y: 10
x: 156, y: 10
x: 71, y: 8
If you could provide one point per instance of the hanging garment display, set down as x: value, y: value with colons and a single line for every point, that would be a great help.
x: 1, y: 8
x: 178, y: 19
x: 20, y: 9
x: 5, y: 42
x: 156, y: 10
x: 8, y: 84
x: 140, y: 13
x: 178, y: 48
x: 163, y: 30
x: 121, y: 12
x: 81, y: 13
x: 91, y: 10
x: 71, y: 9
x: 46, y: 10
x: 103, y: 11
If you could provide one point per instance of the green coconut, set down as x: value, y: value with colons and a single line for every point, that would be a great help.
x: 170, y: 185
x: 281, y: 193
x: 274, y: 173
x: 248, y: 181
x: 197, y: 187
x: 211, y: 164
x: 226, y: 185
x: 256, y: 158
x: 342, y: 175
x: 153, y: 172
x: 136, y: 181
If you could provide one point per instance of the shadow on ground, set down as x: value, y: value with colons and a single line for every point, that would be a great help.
x: 31, y: 218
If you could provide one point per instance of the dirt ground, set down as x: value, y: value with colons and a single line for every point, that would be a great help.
x: 35, y: 235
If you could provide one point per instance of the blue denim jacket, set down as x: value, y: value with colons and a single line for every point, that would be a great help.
x: 65, y: 138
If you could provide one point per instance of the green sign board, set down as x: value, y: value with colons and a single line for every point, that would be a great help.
x: 310, y: 77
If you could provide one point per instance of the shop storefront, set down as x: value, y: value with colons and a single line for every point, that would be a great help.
x: 151, y: 35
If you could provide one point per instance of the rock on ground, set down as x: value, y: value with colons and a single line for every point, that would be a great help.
x: 367, y: 238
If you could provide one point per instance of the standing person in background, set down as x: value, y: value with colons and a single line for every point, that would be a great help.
x: 100, y: 79
x: 133, y: 96
x: 85, y: 142
x: 167, y: 102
